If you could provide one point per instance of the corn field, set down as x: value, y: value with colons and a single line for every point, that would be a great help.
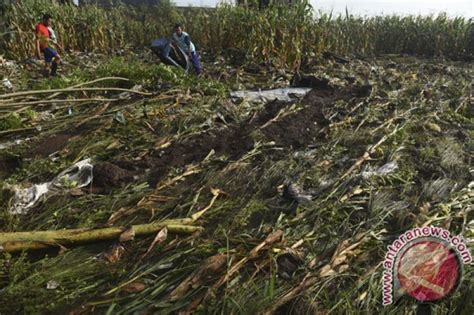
x: 128, y: 186
x: 280, y: 34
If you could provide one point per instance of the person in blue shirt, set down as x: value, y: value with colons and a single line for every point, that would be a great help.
x: 184, y: 42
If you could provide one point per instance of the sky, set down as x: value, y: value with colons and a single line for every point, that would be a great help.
x: 375, y: 7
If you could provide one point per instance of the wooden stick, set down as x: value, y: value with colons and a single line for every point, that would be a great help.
x: 25, y: 93
x: 17, y: 241
x: 60, y: 101
x: 5, y: 132
x: 88, y: 83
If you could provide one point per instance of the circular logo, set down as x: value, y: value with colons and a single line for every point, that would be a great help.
x: 428, y: 270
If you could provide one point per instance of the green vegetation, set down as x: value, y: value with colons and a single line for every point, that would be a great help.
x: 286, y: 36
x: 160, y: 158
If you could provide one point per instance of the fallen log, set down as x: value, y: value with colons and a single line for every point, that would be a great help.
x: 18, y: 241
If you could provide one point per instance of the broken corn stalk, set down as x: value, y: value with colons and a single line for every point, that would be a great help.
x: 18, y: 241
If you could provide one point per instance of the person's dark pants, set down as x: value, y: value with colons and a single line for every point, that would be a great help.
x: 196, y: 62
x: 49, y: 56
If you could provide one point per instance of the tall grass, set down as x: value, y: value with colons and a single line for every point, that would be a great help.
x: 284, y: 35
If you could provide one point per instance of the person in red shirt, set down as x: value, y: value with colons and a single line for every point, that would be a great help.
x: 43, y: 38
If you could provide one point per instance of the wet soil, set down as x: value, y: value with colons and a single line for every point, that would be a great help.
x: 8, y: 164
x: 54, y: 143
x: 233, y: 141
x: 51, y: 144
x: 108, y: 175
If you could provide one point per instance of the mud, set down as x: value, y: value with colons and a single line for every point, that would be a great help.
x: 51, y: 144
x: 301, y: 80
x: 57, y: 142
x: 299, y: 130
x: 232, y: 141
x: 8, y: 164
x: 306, y: 127
x: 108, y: 175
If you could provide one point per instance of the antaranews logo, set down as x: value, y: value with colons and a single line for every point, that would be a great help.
x: 425, y: 263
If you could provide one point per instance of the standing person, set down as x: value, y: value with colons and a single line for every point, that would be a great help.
x: 43, y: 40
x: 184, y: 42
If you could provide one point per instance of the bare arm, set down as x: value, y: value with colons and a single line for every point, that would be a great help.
x: 38, y: 50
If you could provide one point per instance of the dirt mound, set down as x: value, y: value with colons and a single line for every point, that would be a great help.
x: 51, y: 144
x: 304, y: 127
x: 301, y: 128
x: 232, y: 141
x: 8, y: 164
x: 302, y: 80
x: 270, y: 110
x: 293, y: 131
x: 108, y: 175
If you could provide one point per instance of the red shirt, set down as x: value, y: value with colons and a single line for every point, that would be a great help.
x: 42, y: 34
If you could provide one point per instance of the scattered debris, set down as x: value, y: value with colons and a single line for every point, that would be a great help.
x: 7, y: 84
x: 77, y: 176
x: 263, y: 96
x: 385, y: 169
x: 161, y: 156
x: 294, y: 192
x: 52, y: 285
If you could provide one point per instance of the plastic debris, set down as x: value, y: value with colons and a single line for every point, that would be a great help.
x: 120, y: 118
x: 294, y: 192
x: 382, y: 170
x: 52, y: 285
x: 283, y: 94
x: 77, y: 176
x: 7, y: 84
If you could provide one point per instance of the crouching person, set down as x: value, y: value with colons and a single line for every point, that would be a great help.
x: 184, y: 42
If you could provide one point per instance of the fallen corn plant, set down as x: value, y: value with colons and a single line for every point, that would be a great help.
x: 20, y: 241
x: 157, y: 158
